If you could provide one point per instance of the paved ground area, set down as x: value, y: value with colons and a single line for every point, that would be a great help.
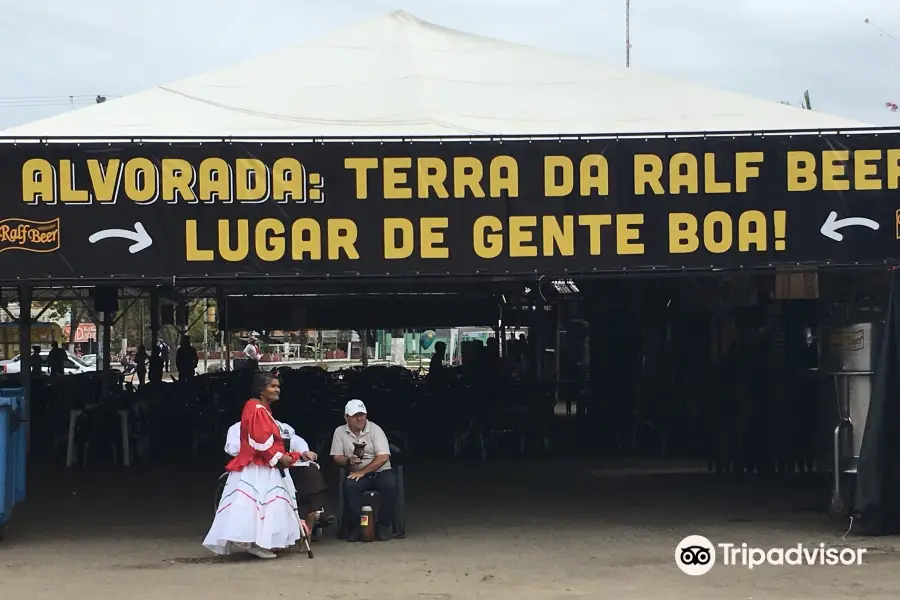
x: 503, y: 531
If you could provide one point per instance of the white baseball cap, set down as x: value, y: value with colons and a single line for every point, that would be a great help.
x: 354, y: 407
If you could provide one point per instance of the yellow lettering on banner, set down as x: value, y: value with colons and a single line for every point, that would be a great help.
x: 214, y: 179
x: 521, y: 237
x: 68, y: 193
x: 39, y: 181
x: 404, y: 249
x: 710, y: 184
x: 863, y: 169
x: 306, y: 240
x: 717, y: 244
x: 833, y: 168
x: 504, y: 177
x: 467, y: 175
x: 594, y: 223
x: 561, y: 165
x: 683, y: 238
x: 433, y: 237
x: 193, y: 253
x: 394, y: 178
x: 648, y: 170
x: 488, y: 237
x: 361, y: 167
x: 269, y: 240
x: 628, y: 234
x: 342, y: 235
x: 832, y: 173
x: 559, y: 176
x: 801, y: 171
x: 683, y: 173
x: 718, y: 232
x: 432, y: 176
x: 746, y: 167
x: 241, y: 249
x: 251, y: 182
x: 556, y: 237
x: 140, y: 181
x: 288, y: 180
x: 893, y: 169
x: 752, y: 231
x: 594, y: 176
x: 105, y: 179
x: 177, y: 178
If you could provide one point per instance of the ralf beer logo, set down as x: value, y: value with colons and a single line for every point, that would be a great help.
x: 30, y: 236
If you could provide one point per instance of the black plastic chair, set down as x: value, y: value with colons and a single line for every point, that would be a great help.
x: 398, y: 527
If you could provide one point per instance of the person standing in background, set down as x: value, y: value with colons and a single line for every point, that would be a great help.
x: 186, y: 359
x: 155, y: 372
x: 251, y: 353
x: 37, y: 365
x: 164, y: 352
x: 56, y: 360
x: 140, y: 360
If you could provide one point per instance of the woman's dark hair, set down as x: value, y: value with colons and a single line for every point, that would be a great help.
x: 260, y: 382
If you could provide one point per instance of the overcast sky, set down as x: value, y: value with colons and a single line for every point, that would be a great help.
x: 773, y: 49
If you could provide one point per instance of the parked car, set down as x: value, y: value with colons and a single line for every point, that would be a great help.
x: 72, y: 365
x: 90, y: 360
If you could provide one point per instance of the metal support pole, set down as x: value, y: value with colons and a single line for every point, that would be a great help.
x: 627, y: 33
x: 205, y: 335
x: 107, y: 354
x: 154, y: 318
x: 557, y: 354
x: 25, y: 356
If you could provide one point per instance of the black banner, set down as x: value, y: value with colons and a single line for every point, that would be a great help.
x: 310, y: 209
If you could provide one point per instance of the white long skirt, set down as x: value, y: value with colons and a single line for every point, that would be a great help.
x: 258, y: 506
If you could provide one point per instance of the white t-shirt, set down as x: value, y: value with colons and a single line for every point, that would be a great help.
x: 251, y: 352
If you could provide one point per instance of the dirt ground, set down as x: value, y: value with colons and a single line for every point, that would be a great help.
x: 501, y: 531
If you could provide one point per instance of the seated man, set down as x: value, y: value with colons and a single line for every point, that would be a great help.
x: 311, y: 487
x: 361, y: 447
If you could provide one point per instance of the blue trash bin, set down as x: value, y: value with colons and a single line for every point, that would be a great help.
x: 12, y: 450
x: 7, y: 468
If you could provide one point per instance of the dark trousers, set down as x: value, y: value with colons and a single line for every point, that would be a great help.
x: 385, y: 483
x: 311, y: 489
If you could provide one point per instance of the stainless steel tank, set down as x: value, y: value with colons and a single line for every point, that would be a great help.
x: 846, y: 364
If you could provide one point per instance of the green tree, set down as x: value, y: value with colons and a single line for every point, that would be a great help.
x: 71, y: 311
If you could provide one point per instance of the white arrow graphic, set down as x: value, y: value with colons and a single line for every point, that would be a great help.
x: 832, y: 224
x: 139, y: 236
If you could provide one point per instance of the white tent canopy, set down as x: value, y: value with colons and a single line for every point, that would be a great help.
x: 400, y: 76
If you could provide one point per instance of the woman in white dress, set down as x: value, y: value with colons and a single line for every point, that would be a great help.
x: 307, y: 478
x: 258, y: 512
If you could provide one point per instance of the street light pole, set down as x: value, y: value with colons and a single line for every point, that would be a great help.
x: 627, y: 34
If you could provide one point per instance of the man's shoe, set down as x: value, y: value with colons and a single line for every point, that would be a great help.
x: 325, y: 521
x: 353, y: 535
x: 383, y: 534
